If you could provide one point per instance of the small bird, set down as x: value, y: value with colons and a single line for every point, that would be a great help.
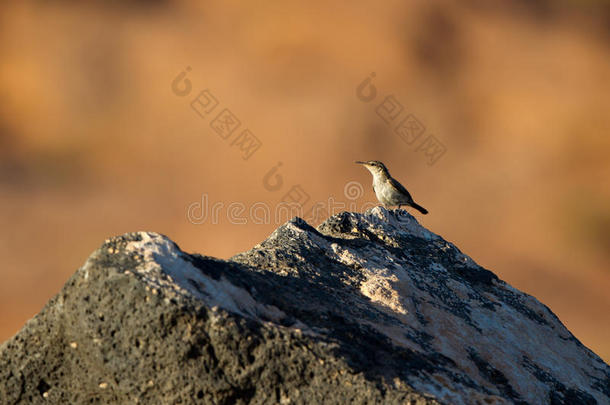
x: 389, y: 192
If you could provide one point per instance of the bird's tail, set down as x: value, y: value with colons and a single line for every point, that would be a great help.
x: 419, y: 208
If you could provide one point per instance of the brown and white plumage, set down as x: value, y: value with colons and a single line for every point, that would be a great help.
x: 388, y: 190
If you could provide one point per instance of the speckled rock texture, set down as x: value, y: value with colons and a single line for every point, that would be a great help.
x: 368, y: 308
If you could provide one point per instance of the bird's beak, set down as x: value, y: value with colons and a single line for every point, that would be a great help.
x: 359, y: 162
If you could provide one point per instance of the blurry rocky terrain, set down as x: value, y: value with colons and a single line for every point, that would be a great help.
x: 94, y: 142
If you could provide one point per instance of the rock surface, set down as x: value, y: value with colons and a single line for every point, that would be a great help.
x: 368, y: 308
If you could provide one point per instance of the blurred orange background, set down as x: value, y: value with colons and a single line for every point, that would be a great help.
x: 96, y: 142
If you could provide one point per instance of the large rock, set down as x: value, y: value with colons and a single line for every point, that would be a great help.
x: 368, y: 308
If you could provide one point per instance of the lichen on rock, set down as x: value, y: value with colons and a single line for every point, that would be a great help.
x: 367, y: 308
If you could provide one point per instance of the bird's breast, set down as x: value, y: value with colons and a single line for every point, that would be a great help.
x: 381, y: 190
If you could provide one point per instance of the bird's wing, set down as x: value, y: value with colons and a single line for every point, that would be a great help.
x: 399, y: 187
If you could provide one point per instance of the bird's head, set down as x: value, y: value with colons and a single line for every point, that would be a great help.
x: 374, y: 166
